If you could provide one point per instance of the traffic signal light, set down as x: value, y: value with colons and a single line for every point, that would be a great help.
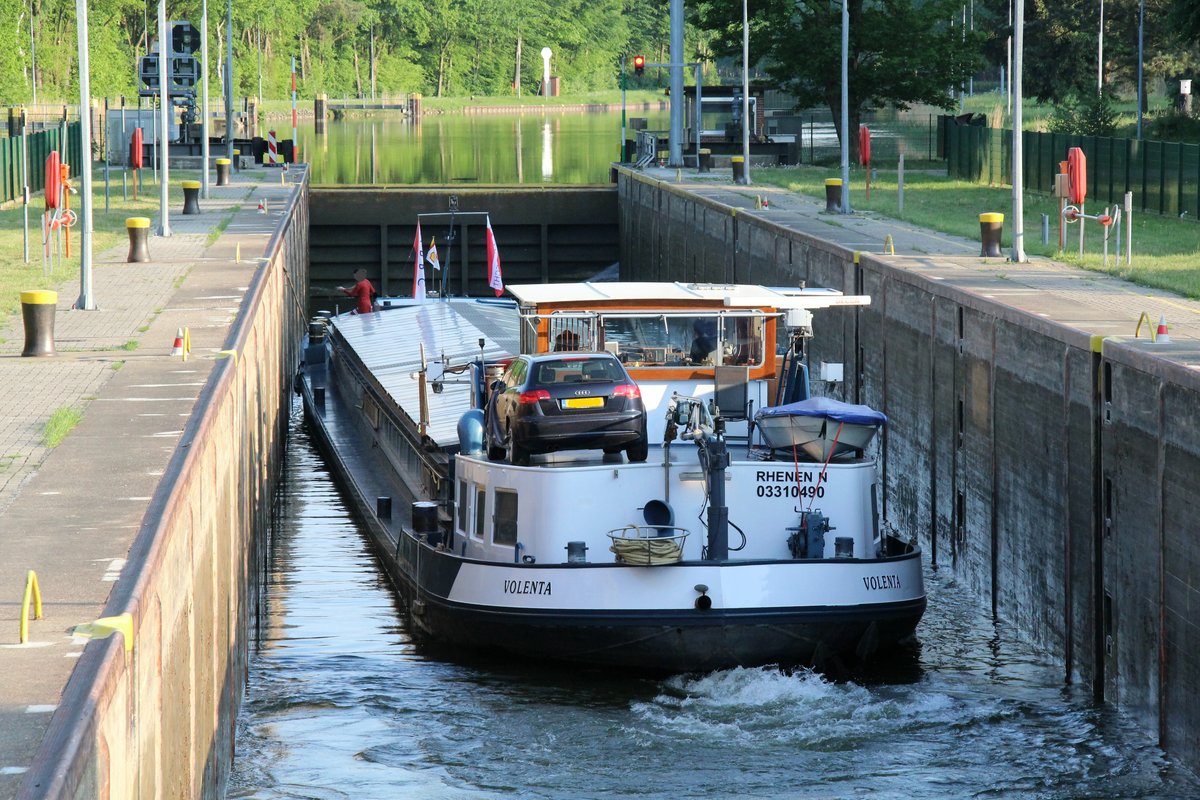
x: 185, y: 39
x: 639, y: 64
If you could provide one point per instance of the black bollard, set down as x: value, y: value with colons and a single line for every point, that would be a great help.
x: 833, y: 195
x: 991, y: 226
x: 37, y: 312
x: 222, y: 172
x: 237, y: 160
x: 739, y: 169
x: 705, y: 162
x: 139, y: 238
x: 191, y: 197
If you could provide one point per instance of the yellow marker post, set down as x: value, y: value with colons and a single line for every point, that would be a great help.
x: 32, y: 592
x: 187, y: 343
x: 237, y: 253
x: 889, y: 246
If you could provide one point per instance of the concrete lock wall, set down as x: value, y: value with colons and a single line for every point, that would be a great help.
x: 1054, y: 472
x: 158, y: 721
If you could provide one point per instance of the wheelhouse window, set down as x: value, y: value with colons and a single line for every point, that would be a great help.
x: 505, y: 531
x: 480, y: 518
x: 677, y: 340
x: 464, y: 495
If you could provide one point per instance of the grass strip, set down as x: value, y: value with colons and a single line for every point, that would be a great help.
x: 1166, y: 250
x: 61, y: 422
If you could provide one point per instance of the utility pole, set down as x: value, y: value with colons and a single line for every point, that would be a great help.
x: 746, y: 127
x: 1100, y: 54
x: 85, y: 300
x: 229, y: 81
x: 1018, y: 165
x: 845, y: 107
x: 675, y: 153
x: 204, y: 99
x: 164, y: 119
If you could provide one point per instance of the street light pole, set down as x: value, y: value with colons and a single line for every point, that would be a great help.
x: 1141, y: 87
x: 229, y: 81
x: 1018, y: 165
x: 164, y: 119
x: 675, y: 151
x: 845, y: 107
x: 1100, y: 54
x: 204, y: 99
x: 621, y: 157
x: 745, y: 96
x: 85, y: 300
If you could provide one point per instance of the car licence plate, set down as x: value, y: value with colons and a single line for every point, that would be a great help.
x: 583, y: 402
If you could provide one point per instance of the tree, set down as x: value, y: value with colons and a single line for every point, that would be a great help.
x: 901, y: 51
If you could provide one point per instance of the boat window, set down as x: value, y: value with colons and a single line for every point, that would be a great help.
x: 505, y: 531
x: 463, y: 496
x: 665, y: 340
x: 480, y: 498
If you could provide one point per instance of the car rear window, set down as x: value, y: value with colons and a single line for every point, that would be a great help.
x: 578, y: 370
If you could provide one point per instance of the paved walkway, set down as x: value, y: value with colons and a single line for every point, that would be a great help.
x: 71, y: 513
x: 1093, y: 302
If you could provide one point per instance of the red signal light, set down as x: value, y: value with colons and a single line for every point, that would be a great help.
x: 639, y: 64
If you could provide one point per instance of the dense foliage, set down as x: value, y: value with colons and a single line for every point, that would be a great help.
x: 437, y: 47
x: 902, y: 52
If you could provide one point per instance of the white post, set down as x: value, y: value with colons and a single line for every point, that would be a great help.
x: 845, y: 107
x: 900, y: 188
x: 85, y: 138
x: 546, y: 53
x: 1129, y: 229
x: 164, y: 121
x: 204, y: 99
x: 1018, y: 163
x: 699, y: 109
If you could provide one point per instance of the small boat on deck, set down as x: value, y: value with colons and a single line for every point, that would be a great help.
x: 735, y: 532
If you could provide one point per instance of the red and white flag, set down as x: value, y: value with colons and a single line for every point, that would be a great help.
x: 493, y: 259
x: 418, y: 267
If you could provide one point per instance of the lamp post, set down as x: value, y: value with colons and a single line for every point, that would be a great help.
x: 745, y: 96
x: 845, y: 107
x: 1018, y: 165
x: 85, y: 300
x: 32, y: 54
x: 675, y: 145
x: 204, y: 99
x: 229, y: 81
x: 621, y: 157
x: 1141, y: 86
x: 164, y: 119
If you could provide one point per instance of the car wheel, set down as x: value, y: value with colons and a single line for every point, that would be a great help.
x: 516, y: 453
x: 638, y: 451
x: 494, y: 451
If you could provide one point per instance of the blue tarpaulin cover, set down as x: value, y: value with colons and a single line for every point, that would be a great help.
x: 828, y: 408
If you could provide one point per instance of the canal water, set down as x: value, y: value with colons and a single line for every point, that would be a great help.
x: 342, y: 704
x: 531, y: 148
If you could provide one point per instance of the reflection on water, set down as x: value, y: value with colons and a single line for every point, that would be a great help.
x: 460, y: 148
x: 341, y: 704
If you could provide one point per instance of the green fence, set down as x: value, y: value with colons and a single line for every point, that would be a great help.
x: 40, y: 145
x: 1163, y: 176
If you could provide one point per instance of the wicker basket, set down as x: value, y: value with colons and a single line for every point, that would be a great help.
x: 647, y: 546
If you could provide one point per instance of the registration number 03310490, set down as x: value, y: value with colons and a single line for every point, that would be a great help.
x: 583, y: 402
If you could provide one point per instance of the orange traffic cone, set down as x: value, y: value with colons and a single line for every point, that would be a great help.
x: 1161, y: 335
x: 177, y: 348
x: 262, y: 206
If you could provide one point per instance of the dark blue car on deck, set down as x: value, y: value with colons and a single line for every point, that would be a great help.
x: 549, y: 402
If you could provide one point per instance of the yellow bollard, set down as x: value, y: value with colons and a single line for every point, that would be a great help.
x: 237, y: 253
x: 187, y: 343
x: 32, y: 592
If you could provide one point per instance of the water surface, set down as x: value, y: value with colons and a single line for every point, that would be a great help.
x: 342, y: 704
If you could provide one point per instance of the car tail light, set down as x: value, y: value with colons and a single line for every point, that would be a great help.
x: 629, y: 390
x: 533, y: 396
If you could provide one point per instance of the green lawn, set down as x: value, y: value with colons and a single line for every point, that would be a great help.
x: 109, y: 230
x: 1166, y: 251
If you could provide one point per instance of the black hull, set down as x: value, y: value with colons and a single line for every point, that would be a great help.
x: 648, y: 642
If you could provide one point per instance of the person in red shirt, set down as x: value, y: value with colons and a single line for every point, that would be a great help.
x: 362, y: 291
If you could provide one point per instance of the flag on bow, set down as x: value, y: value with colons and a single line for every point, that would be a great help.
x: 418, y: 267
x: 432, y: 257
x: 493, y: 259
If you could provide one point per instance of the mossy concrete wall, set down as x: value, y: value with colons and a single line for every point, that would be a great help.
x: 1056, y: 472
x: 157, y: 719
